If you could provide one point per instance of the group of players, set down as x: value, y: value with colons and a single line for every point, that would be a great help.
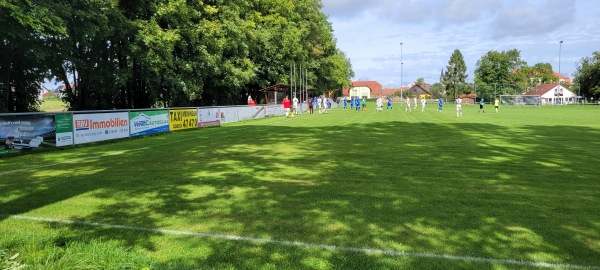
x: 324, y: 104
x: 356, y: 102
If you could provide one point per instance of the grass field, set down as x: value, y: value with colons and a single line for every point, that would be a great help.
x: 53, y: 104
x: 348, y: 190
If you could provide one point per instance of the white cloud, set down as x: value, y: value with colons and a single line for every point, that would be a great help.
x: 522, y: 19
x: 370, y: 33
x: 461, y: 11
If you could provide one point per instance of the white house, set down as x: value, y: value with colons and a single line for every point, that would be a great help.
x: 551, y: 94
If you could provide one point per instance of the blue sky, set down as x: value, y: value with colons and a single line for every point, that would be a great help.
x: 370, y: 33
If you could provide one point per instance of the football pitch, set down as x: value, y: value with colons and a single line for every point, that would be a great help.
x: 518, y: 189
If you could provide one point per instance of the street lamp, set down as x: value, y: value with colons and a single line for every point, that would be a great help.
x: 559, y: 51
x: 401, y: 71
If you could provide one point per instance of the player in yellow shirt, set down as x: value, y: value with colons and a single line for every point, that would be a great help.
x: 496, y: 104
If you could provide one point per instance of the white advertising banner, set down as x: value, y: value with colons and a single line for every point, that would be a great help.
x: 275, y: 110
x: 246, y: 113
x: 209, y: 117
x: 259, y: 112
x: 229, y: 115
x: 100, y: 127
x: 270, y: 110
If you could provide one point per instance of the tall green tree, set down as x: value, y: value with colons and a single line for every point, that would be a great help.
x: 335, y: 71
x: 24, y: 57
x: 530, y: 76
x: 495, y: 73
x: 88, y: 56
x: 587, y: 76
x: 437, y: 90
x: 139, y: 54
x: 456, y: 73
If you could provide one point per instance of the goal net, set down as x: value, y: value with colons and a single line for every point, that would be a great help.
x: 533, y: 100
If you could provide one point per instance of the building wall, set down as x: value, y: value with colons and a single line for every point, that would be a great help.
x: 360, y: 92
x: 550, y: 97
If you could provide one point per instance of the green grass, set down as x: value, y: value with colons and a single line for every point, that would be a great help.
x: 518, y: 185
x: 53, y: 104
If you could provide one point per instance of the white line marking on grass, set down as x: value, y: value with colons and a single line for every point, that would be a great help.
x: 310, y: 245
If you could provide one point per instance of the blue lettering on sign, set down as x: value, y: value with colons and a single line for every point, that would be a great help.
x: 143, y: 123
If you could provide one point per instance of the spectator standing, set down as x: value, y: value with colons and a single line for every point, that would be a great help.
x: 286, y: 106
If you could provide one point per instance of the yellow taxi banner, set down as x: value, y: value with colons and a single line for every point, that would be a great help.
x: 183, y: 119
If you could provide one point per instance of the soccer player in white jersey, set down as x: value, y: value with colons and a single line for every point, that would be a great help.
x: 459, y: 107
x: 295, y: 104
x: 423, y: 101
x: 416, y: 104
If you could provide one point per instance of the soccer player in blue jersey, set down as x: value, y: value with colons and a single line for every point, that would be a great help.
x: 357, y: 103
x: 441, y: 103
x: 345, y: 104
x: 389, y: 104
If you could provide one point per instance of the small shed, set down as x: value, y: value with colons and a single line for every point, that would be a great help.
x: 468, y: 98
x: 275, y: 93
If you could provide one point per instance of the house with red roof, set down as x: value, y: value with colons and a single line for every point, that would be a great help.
x: 419, y: 90
x: 362, y: 89
x: 553, y: 94
x: 369, y: 89
x: 563, y: 78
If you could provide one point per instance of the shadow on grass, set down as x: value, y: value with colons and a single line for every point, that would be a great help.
x: 461, y: 189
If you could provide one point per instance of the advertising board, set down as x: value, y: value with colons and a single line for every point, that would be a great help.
x: 100, y: 127
x: 183, y: 119
x: 148, y: 122
x: 209, y: 117
x: 63, y: 124
x: 229, y: 115
x: 26, y: 132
